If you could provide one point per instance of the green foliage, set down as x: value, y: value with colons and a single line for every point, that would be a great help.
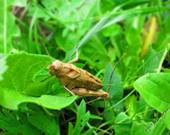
x: 82, y: 119
x: 46, y: 123
x: 9, y: 121
x: 118, y: 41
x: 113, y: 84
x: 156, y: 87
x: 3, y: 65
x: 8, y: 27
x: 167, y: 119
x: 18, y: 84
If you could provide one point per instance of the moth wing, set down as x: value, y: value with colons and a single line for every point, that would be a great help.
x: 72, y: 71
x: 91, y: 76
x: 88, y: 81
x: 86, y: 92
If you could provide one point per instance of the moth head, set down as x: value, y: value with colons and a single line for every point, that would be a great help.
x: 55, y: 67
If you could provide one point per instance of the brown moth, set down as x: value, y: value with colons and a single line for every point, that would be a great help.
x: 76, y: 80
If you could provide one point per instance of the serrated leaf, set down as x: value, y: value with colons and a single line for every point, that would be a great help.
x: 155, y: 89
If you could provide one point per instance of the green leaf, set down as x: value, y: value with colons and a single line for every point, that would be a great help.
x: 95, y: 53
x: 48, y: 101
x: 15, y: 124
x: 8, y: 27
x: 48, y: 124
x: 113, y: 30
x: 81, y: 119
x: 88, y: 132
x: 142, y: 126
x: 133, y: 36
x: 3, y: 66
x: 167, y: 119
x: 70, y: 128
x: 113, y: 84
x: 131, y: 105
x: 153, y: 60
x: 19, y: 86
x: 155, y: 89
x: 113, y: 17
x: 122, y: 124
x: 81, y: 114
x: 20, y: 3
x: 75, y: 21
x: 159, y: 127
x: 21, y: 70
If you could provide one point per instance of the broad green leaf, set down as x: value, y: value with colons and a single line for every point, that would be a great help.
x: 48, y: 101
x: 155, y: 89
x: 19, y: 84
x: 21, y: 69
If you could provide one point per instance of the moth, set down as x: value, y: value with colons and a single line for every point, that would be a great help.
x: 76, y: 80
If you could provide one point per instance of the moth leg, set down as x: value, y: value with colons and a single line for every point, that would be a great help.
x: 98, y: 98
x: 76, y: 58
x: 69, y: 91
x: 86, y: 92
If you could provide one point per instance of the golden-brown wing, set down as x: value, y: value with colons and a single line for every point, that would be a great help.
x: 82, y: 79
x: 74, y: 77
x: 86, y: 92
x: 88, y: 81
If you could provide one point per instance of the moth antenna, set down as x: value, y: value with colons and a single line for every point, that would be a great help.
x: 112, y: 73
x: 96, y: 99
